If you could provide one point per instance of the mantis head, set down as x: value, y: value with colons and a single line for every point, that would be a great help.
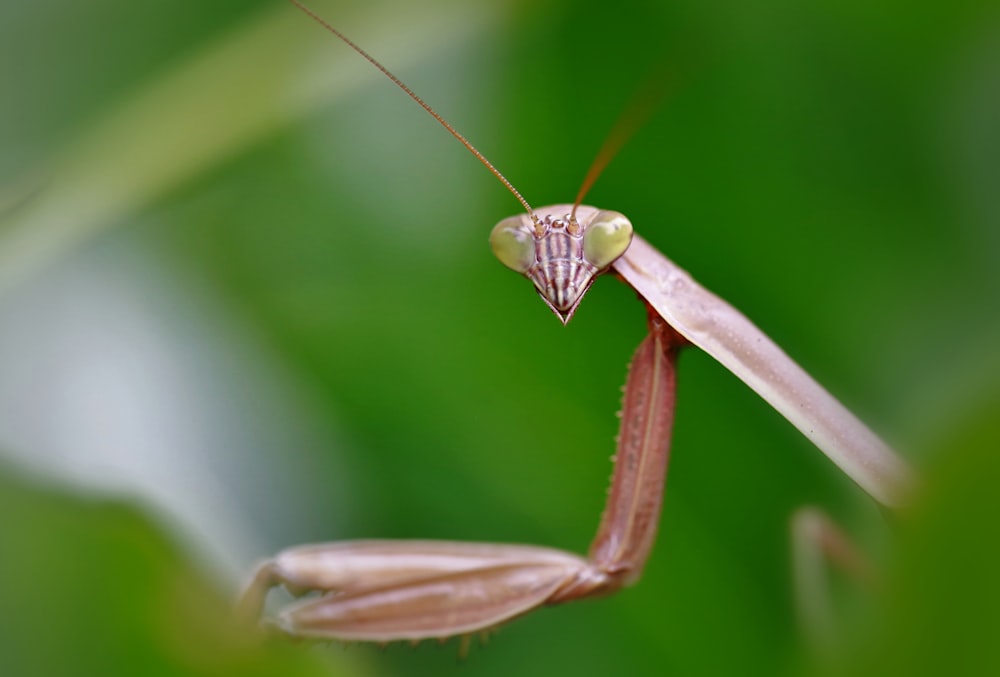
x: 558, y: 251
x: 561, y: 249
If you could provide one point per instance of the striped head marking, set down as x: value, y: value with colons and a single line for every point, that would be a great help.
x: 561, y: 254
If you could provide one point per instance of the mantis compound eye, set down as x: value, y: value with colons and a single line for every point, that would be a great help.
x: 606, y: 238
x: 513, y: 244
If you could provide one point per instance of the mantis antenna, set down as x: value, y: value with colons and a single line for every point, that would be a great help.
x: 635, y: 115
x: 423, y: 104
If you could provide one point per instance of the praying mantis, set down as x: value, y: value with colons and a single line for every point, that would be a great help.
x: 383, y: 590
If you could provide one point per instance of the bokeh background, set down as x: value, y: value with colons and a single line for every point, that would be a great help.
x: 246, y: 302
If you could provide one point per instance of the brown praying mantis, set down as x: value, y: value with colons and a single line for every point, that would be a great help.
x: 384, y: 590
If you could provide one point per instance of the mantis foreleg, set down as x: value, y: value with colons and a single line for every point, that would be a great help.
x: 382, y: 591
x: 727, y: 335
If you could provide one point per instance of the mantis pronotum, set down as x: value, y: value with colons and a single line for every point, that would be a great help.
x: 411, y: 590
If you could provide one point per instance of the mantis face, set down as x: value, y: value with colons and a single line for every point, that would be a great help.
x: 561, y: 252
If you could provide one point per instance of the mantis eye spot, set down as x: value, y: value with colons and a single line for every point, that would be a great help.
x: 606, y: 238
x: 513, y: 245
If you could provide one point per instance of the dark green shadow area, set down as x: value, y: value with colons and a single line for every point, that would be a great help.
x: 93, y: 587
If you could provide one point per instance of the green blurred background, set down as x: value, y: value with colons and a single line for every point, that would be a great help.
x: 246, y: 302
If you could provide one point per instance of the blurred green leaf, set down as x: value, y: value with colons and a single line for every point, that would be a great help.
x: 93, y: 587
x: 212, y: 104
x: 943, y: 612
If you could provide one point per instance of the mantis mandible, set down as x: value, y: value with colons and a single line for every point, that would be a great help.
x: 383, y: 590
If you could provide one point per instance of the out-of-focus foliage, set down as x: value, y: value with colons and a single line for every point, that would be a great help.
x: 943, y: 600
x: 246, y: 302
x: 90, y: 587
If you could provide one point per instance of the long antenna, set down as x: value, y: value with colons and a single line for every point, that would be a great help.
x: 638, y: 111
x: 399, y: 83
